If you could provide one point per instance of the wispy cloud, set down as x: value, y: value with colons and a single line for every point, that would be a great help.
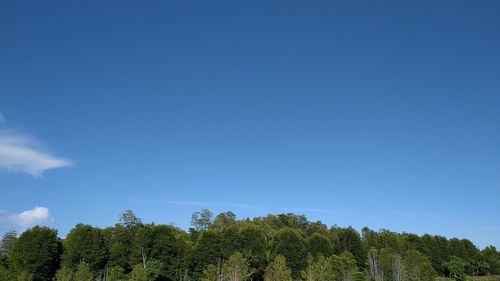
x: 492, y: 227
x: 24, y: 220
x: 21, y: 153
x: 197, y: 203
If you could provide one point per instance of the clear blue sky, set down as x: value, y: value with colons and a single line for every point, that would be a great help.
x: 376, y: 113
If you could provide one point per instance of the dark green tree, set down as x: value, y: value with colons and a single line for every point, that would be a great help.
x: 207, y: 250
x: 319, y: 244
x: 85, y: 243
x: 36, y: 252
x: 290, y: 243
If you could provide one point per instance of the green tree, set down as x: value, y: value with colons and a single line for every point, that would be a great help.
x: 25, y: 276
x: 155, y: 270
x: 164, y: 243
x: 207, y: 250
x: 64, y: 274
x: 129, y: 220
x: 344, y: 267
x: 201, y: 220
x: 290, y: 243
x: 319, y: 244
x: 230, y: 241
x: 224, y: 219
x: 456, y: 268
x: 211, y: 273
x: 278, y: 270
x: 236, y: 268
x: 116, y: 273
x: 83, y: 272
x: 253, y: 246
x: 119, y: 241
x: 492, y: 258
x: 36, y: 252
x: 138, y: 273
x: 318, y: 269
x: 375, y: 271
x: 348, y: 239
x: 85, y: 243
x: 417, y: 267
x: 7, y: 242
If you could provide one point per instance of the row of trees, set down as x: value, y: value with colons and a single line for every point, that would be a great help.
x: 272, y: 248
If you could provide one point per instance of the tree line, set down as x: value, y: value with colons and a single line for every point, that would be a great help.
x: 282, y: 247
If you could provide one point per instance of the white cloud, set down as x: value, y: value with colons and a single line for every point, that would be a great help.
x: 21, y: 153
x: 24, y: 220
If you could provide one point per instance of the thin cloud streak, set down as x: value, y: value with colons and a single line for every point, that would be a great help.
x: 197, y: 203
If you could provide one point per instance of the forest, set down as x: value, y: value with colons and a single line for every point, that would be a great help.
x: 281, y: 247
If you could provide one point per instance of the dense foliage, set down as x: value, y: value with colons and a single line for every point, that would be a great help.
x: 272, y: 248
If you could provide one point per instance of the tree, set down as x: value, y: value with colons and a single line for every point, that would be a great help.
x: 155, y: 270
x: 290, y: 244
x: 417, y: 267
x: 201, y: 220
x: 456, y: 268
x: 278, y: 270
x: 129, y: 220
x: 7, y: 242
x: 253, y: 246
x: 83, y: 272
x: 64, y: 274
x: 138, y: 273
x: 207, y: 250
x: 85, y: 243
x: 236, y: 268
x: 375, y: 271
x: 162, y: 243
x: 36, y: 252
x: 348, y: 239
x: 116, y: 274
x: 211, y: 273
x: 119, y: 241
x: 24, y: 276
x: 343, y: 267
x: 318, y: 269
x: 492, y: 258
x: 319, y: 244
x: 397, y: 268
x: 224, y: 219
x: 230, y: 241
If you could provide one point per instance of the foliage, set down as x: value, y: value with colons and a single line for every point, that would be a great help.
x: 278, y: 270
x: 290, y: 244
x: 318, y: 269
x: 236, y: 268
x: 456, y: 267
x: 138, y: 273
x: 211, y: 273
x: 319, y: 244
x: 417, y: 267
x: 85, y: 243
x: 116, y: 274
x: 274, y: 247
x: 36, y: 252
x: 7, y: 243
x: 83, y: 272
x: 64, y: 274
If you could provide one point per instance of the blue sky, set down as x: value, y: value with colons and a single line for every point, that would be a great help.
x: 366, y: 113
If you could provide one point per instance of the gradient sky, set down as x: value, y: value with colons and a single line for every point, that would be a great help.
x: 383, y: 114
